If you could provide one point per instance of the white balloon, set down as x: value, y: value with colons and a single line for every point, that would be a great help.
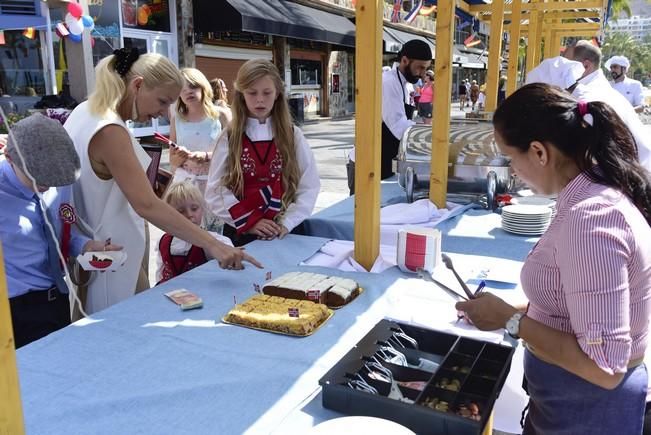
x: 75, y: 25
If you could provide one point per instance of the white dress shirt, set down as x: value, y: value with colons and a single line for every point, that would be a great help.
x: 631, y: 89
x: 395, y: 94
x: 595, y: 87
x: 220, y: 198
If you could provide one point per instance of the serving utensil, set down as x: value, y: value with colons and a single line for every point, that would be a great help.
x: 448, y: 263
x: 428, y: 277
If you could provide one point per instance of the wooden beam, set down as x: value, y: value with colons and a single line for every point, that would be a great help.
x: 585, y: 33
x: 461, y: 4
x: 368, y: 137
x: 11, y: 412
x: 494, y: 52
x: 563, y: 15
x: 514, y: 49
x: 532, y: 37
x: 560, y: 6
x: 442, y: 84
x: 585, y: 27
x: 539, y: 38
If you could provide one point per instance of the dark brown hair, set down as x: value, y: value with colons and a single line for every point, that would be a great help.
x: 605, y: 150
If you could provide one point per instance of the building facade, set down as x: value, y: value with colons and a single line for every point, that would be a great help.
x: 637, y: 26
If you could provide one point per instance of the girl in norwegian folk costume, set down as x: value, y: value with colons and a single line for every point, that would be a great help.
x: 263, y: 181
x: 176, y: 256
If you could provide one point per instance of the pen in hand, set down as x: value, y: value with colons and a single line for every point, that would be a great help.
x: 480, y: 288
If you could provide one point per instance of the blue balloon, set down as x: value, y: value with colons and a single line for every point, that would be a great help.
x: 87, y: 20
x: 74, y: 38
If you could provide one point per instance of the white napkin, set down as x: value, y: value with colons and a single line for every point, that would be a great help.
x: 417, y: 212
x: 338, y: 254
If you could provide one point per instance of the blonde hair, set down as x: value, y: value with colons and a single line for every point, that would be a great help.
x: 195, y: 79
x: 282, y: 129
x: 218, y: 90
x: 183, y: 191
x: 111, y: 88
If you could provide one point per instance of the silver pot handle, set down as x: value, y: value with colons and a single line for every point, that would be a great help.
x: 491, y: 190
x: 410, y: 183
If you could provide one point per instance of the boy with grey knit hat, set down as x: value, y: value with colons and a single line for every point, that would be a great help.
x: 35, y: 187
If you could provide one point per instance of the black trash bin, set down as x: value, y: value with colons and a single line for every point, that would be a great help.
x: 296, y: 107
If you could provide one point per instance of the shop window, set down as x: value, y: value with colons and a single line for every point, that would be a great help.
x: 21, y: 64
x: 146, y: 15
x: 306, y: 72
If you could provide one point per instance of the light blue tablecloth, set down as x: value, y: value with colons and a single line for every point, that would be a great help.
x: 476, y: 232
x: 119, y: 375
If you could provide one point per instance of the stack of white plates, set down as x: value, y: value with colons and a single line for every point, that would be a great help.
x: 529, y: 220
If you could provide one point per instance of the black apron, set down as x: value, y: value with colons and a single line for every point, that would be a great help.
x: 390, y: 143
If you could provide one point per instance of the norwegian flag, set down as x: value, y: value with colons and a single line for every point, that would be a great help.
x: 293, y: 312
x: 413, y: 13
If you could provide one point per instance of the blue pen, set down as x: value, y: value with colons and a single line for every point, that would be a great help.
x: 480, y: 287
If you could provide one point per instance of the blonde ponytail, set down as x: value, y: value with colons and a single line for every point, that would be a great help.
x: 111, y: 88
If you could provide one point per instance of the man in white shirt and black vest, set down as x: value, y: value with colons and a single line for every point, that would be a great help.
x: 414, y: 59
x: 631, y: 89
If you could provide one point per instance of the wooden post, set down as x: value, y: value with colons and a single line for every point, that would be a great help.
x: 488, y: 429
x: 368, y: 124
x: 11, y: 411
x: 514, y: 47
x: 494, y: 52
x: 532, y: 40
x: 442, y: 84
x: 539, y: 37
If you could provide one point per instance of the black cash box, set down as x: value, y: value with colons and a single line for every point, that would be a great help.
x: 455, y: 398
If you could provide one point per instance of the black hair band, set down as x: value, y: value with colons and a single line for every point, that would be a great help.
x: 124, y: 59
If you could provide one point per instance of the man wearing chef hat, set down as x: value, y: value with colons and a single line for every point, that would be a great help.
x: 629, y: 88
x: 580, y: 73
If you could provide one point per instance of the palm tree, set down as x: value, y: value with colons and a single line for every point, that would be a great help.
x: 619, y: 6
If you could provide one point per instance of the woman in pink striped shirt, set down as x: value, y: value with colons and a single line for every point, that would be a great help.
x: 588, y: 279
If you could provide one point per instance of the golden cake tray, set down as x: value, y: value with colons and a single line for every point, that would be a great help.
x: 359, y: 292
x: 330, y: 314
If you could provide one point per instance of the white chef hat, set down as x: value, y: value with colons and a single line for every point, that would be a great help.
x: 618, y: 60
x: 557, y: 71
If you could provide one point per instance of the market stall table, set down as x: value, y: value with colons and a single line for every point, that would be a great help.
x: 474, y: 231
x: 144, y: 366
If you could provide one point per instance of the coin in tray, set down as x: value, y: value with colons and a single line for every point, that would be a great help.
x: 101, y: 260
x: 280, y: 315
x: 333, y: 291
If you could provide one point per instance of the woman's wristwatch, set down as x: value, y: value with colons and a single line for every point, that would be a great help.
x: 513, y: 325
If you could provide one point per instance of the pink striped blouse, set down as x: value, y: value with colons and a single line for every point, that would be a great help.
x: 590, y: 274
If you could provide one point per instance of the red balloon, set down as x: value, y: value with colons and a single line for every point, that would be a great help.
x: 75, y: 9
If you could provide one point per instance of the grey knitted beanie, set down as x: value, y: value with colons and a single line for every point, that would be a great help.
x: 49, y: 152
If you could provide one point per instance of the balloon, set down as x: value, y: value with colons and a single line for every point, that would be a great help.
x: 74, y: 38
x: 75, y: 9
x: 74, y: 25
x: 88, y: 21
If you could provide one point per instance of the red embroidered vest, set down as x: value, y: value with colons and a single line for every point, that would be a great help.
x: 262, y: 167
x: 175, y: 265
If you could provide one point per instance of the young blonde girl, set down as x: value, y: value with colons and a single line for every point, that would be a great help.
x: 176, y: 256
x: 220, y: 99
x: 263, y: 179
x: 194, y: 127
